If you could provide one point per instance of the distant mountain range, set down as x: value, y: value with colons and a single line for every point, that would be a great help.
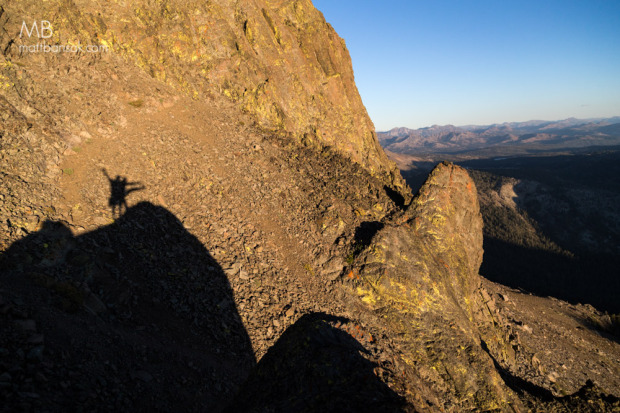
x: 534, y: 134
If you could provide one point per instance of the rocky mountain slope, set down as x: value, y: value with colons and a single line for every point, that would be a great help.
x: 279, y: 60
x: 257, y: 264
x: 510, y: 137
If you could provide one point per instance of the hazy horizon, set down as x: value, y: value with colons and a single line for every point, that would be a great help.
x: 484, y: 62
x: 592, y: 119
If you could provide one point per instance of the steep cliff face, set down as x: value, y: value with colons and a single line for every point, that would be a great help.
x: 278, y: 60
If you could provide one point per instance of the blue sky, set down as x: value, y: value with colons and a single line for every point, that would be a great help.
x: 424, y: 62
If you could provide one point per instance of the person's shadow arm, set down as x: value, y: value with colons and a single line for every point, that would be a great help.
x: 106, y: 174
x: 139, y: 188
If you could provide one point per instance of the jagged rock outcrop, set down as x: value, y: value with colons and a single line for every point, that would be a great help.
x: 420, y: 277
x: 460, y: 349
x: 280, y: 61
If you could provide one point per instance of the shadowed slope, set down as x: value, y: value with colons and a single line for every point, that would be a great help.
x: 142, y: 295
x: 316, y: 366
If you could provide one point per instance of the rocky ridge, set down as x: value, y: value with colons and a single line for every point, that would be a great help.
x: 502, y: 139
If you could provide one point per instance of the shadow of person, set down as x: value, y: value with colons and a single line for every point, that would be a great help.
x: 137, y: 310
x: 119, y: 189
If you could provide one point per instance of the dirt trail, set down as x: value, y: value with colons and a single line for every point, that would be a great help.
x: 213, y: 179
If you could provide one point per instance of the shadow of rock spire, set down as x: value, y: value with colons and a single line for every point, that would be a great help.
x: 316, y: 366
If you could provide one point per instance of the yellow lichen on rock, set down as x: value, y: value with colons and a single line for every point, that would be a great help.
x: 427, y: 279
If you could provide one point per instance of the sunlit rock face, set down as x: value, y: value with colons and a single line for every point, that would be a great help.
x: 420, y: 276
